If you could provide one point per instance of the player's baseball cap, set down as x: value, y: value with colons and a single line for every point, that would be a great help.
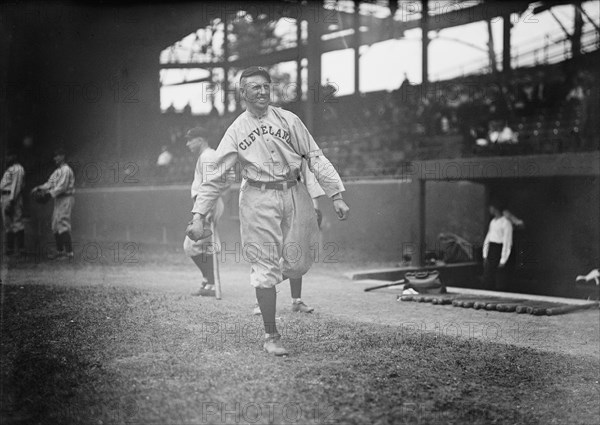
x: 256, y: 70
x: 59, y: 151
x: 196, y: 132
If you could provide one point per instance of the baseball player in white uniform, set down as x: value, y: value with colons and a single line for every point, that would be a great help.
x: 12, y: 184
x: 202, y: 251
x: 277, y: 218
x: 61, y: 186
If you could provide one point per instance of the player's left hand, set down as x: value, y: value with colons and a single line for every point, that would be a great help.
x: 341, y: 209
x: 10, y: 209
x: 501, y: 265
x: 196, y: 230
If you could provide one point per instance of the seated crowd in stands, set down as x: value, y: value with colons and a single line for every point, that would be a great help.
x: 538, y: 110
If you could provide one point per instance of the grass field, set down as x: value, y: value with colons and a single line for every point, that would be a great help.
x: 120, y: 343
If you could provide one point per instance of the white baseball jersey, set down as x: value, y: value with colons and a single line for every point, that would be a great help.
x: 12, y: 184
x: 204, y: 246
x: 61, y: 182
x: 269, y: 148
x: 312, y: 184
x: 13, y: 181
x: 208, y: 157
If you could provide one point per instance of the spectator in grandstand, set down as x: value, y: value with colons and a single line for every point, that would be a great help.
x: 494, y: 132
x: 170, y: 109
x: 164, y: 160
x: 539, y: 92
x: 507, y: 135
x: 405, y: 83
x: 577, y: 94
x: 591, y: 123
x: 444, y: 125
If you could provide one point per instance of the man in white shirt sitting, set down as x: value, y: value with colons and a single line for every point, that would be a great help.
x: 496, y: 249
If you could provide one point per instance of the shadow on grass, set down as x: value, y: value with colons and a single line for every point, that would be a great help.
x: 119, y: 355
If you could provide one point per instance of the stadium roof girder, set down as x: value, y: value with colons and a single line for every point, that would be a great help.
x: 378, y: 30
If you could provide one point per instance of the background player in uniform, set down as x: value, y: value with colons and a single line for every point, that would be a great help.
x: 277, y: 218
x: 12, y: 184
x: 61, y: 186
x: 202, y: 251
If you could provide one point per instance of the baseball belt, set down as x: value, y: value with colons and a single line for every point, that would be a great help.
x: 274, y: 185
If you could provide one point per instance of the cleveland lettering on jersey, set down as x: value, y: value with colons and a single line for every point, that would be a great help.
x: 262, y: 130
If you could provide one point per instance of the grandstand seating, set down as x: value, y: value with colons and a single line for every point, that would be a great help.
x: 374, y: 134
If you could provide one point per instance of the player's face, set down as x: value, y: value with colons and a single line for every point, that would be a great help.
x: 257, y: 91
x: 195, y: 144
x: 59, y: 159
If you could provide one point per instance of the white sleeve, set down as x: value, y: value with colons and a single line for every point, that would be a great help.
x: 17, y: 183
x: 215, y: 174
x: 314, y: 188
x: 506, y: 241
x: 323, y: 169
x: 486, y: 243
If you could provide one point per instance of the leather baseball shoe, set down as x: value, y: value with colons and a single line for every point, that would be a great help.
x: 67, y: 256
x: 273, y: 345
x: 300, y: 307
x: 203, y: 292
x: 256, y: 311
x: 57, y: 255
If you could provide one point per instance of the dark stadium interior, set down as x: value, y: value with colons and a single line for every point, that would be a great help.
x: 85, y: 76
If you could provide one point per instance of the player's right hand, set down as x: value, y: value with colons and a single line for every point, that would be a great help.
x: 341, y: 209
x: 196, y: 230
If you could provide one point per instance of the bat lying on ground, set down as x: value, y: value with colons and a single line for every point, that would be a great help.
x: 387, y: 285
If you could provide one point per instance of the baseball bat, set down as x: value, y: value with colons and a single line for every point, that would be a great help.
x: 508, y: 306
x: 538, y: 308
x: 397, y: 282
x: 444, y: 299
x: 466, y: 302
x: 568, y: 308
x: 405, y: 298
x: 493, y: 305
x: 215, y: 262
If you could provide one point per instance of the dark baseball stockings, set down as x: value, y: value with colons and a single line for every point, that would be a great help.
x: 267, y: 300
x: 205, y: 264
x: 10, y: 242
x: 59, y: 242
x: 66, y: 241
x: 20, y: 240
x: 296, y: 287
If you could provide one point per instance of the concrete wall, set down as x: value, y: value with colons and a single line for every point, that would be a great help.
x: 381, y: 227
x: 561, y: 238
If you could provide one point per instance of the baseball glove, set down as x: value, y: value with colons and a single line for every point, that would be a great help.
x: 9, y: 209
x: 196, y: 230
x: 41, y: 196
